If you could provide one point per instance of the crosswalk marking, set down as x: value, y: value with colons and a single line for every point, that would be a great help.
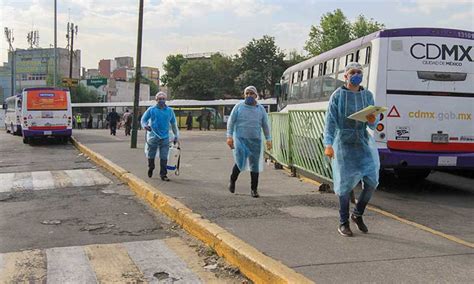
x: 153, y: 257
x: 23, y: 267
x: 152, y: 261
x: 42, y: 180
x: 69, y: 265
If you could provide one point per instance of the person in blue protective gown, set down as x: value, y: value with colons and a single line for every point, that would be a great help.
x: 350, y: 146
x: 244, y: 136
x: 157, y: 121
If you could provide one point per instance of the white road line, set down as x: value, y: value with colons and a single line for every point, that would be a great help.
x: 154, y: 256
x: 69, y: 265
x: 6, y: 182
x: 42, y: 180
x: 97, y: 177
x: 22, y: 181
x: 79, y: 178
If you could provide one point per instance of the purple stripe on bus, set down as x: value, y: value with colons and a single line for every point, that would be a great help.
x: 436, y: 32
x: 29, y: 133
x: 394, y: 159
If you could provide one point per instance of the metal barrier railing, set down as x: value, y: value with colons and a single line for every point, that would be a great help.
x: 298, y: 141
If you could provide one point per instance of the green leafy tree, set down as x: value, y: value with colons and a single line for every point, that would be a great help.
x: 196, y: 81
x: 264, y: 57
x: 334, y: 30
x: 225, y: 72
x: 172, y: 67
x: 362, y: 27
x: 82, y: 94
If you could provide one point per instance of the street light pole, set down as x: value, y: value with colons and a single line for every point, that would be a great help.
x: 55, y: 43
x: 138, y: 74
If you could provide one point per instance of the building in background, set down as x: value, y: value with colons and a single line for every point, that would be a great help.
x: 151, y: 73
x: 124, y: 62
x: 91, y: 73
x: 106, y: 67
x: 34, y: 66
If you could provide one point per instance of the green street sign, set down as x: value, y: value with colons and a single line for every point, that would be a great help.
x: 97, y: 82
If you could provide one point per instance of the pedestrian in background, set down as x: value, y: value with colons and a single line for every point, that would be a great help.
x: 157, y: 121
x: 244, y: 137
x: 189, y: 121
x: 127, y: 119
x: 352, y: 149
x: 113, y: 118
x: 208, y: 119
x: 79, y: 121
x: 89, y: 121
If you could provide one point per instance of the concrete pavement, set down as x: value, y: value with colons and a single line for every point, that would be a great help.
x: 291, y: 222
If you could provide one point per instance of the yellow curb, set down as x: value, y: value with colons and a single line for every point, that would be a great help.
x: 251, y: 262
x: 421, y: 227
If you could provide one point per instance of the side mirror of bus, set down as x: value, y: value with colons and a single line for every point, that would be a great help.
x: 277, y: 90
x: 4, y: 106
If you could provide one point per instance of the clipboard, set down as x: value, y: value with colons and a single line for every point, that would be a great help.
x: 361, y: 115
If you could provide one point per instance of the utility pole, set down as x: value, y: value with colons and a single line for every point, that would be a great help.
x: 55, y: 43
x: 138, y: 74
x: 10, y: 40
x: 71, y: 30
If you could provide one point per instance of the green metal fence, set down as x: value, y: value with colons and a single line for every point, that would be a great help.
x: 298, y: 141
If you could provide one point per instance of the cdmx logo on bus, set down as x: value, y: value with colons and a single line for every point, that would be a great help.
x: 432, y: 52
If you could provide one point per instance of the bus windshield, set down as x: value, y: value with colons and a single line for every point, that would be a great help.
x: 46, y: 100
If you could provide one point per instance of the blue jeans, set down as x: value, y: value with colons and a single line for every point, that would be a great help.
x: 345, y: 200
x: 163, y: 145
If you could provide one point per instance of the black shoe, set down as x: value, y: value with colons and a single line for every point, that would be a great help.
x: 345, y: 230
x: 254, y: 193
x: 150, y: 173
x: 232, y: 186
x: 359, y: 223
x: 165, y: 178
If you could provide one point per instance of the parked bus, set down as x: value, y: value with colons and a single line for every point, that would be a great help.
x: 46, y: 112
x: 425, y: 76
x: 12, y: 119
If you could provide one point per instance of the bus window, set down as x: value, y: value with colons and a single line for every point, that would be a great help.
x: 362, y: 54
x: 320, y: 70
x: 294, y: 79
x: 349, y: 58
x: 305, y: 75
x: 313, y: 74
x: 367, y: 58
x: 315, y: 90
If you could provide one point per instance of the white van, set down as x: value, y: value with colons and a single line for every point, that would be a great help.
x: 46, y: 112
x: 12, y: 120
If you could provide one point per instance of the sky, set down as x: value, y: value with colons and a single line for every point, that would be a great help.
x: 108, y: 28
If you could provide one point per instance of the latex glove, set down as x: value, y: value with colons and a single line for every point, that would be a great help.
x: 329, y: 152
x: 230, y: 142
x: 148, y: 128
x: 370, y: 118
x: 269, y: 145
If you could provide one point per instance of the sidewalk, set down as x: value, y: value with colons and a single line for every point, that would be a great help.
x: 291, y: 222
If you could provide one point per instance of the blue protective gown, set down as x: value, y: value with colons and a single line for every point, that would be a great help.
x: 245, y: 125
x: 356, y: 157
x: 160, y: 120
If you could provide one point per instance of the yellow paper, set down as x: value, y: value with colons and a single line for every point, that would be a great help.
x: 362, y: 114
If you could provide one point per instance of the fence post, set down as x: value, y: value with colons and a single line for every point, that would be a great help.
x: 290, y: 146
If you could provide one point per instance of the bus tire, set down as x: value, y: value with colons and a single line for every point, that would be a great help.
x: 412, y: 174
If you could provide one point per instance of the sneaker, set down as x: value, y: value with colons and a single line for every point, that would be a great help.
x: 165, y: 178
x: 345, y: 230
x: 359, y: 223
x: 254, y: 193
x: 232, y: 186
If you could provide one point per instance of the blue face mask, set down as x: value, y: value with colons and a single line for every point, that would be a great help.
x: 356, y: 79
x: 250, y: 101
x: 162, y: 103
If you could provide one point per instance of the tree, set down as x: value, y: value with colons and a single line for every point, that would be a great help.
x: 196, y: 81
x: 82, y: 94
x: 172, y: 68
x: 334, y: 30
x: 50, y: 81
x: 293, y: 58
x: 362, y: 27
x: 225, y: 72
x: 264, y: 57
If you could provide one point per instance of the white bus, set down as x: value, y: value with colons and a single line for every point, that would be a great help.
x: 12, y: 120
x: 425, y: 76
x: 46, y: 112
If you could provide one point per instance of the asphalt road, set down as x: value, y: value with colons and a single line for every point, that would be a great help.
x: 62, y: 219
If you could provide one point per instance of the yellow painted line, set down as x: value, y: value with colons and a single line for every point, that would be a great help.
x: 421, y: 227
x: 112, y: 264
x: 24, y: 267
x: 251, y: 262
